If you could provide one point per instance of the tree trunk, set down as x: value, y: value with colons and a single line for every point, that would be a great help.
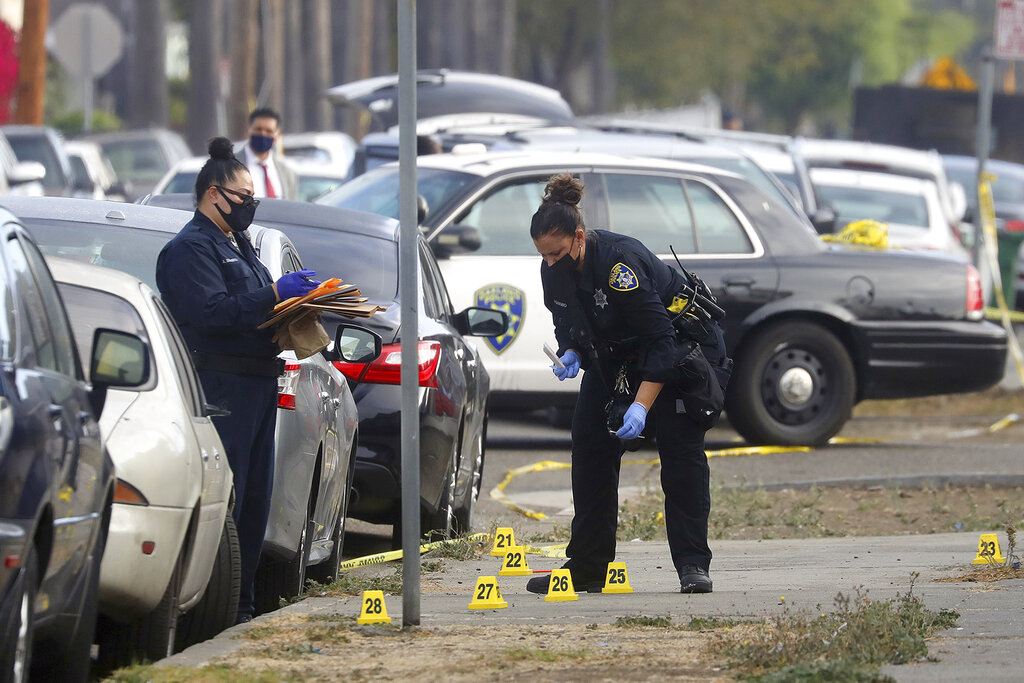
x: 201, y: 121
x: 316, y: 23
x: 604, y: 72
x: 244, y: 43
x: 381, y: 45
x: 456, y: 34
x: 273, y: 31
x: 32, y: 56
x: 358, y: 58
x: 506, y: 37
x: 429, y: 17
x: 149, y: 85
x: 338, y: 49
x: 296, y: 48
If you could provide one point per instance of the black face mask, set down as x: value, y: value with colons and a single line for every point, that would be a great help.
x: 566, y: 265
x: 241, y: 214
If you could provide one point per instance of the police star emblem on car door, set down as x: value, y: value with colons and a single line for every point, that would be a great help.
x: 505, y: 298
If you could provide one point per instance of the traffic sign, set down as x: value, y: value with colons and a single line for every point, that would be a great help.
x: 87, y: 40
x: 1010, y: 29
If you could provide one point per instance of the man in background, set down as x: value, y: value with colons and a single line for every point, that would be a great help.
x: 272, y: 176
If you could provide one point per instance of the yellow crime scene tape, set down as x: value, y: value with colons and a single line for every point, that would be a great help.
x: 392, y: 555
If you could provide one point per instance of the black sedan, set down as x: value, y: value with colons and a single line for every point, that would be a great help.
x: 363, y: 249
x: 56, y: 479
x: 813, y: 328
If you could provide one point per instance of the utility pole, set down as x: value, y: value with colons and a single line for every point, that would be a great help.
x: 32, y: 58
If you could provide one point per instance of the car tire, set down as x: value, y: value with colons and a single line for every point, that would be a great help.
x: 218, y: 607
x: 327, y: 571
x: 16, y: 648
x: 464, y: 510
x: 439, y: 524
x: 794, y: 384
x: 278, y: 579
x: 68, y: 658
x: 150, y: 638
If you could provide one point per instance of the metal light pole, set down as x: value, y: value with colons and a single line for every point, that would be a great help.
x: 408, y: 276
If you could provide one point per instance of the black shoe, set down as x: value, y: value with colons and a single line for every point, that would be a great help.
x: 694, y: 579
x: 243, y: 619
x: 581, y: 583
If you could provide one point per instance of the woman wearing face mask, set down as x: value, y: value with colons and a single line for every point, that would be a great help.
x: 615, y: 308
x: 218, y: 292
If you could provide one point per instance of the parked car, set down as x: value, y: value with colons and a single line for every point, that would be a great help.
x: 174, y: 485
x: 326, y: 147
x: 93, y: 170
x: 317, y: 422
x: 56, y: 477
x: 315, y: 179
x: 19, y: 177
x: 43, y: 145
x: 363, y: 249
x: 813, y: 328
x: 141, y: 157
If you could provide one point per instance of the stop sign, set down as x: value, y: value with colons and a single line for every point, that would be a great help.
x: 87, y: 40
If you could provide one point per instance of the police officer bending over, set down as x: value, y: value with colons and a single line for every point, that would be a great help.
x: 633, y: 324
x: 219, y: 292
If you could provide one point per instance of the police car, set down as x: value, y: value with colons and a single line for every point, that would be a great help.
x: 813, y: 328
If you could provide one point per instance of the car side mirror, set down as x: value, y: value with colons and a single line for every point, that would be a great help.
x: 26, y: 172
x: 477, y: 321
x: 355, y: 344
x: 824, y: 220
x: 119, y: 359
x: 456, y: 239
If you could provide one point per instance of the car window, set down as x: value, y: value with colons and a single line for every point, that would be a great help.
x: 289, y: 261
x: 370, y: 262
x: 64, y: 343
x: 503, y: 217
x: 136, y: 159
x: 35, y: 309
x: 431, y: 301
x: 311, y: 187
x: 438, y: 280
x: 377, y: 191
x: 38, y: 148
x: 652, y: 209
x: 862, y: 203
x: 130, y: 250
x: 183, y: 182
x: 93, y: 308
x: 719, y: 231
x: 7, y: 321
x: 187, y: 378
x: 752, y: 172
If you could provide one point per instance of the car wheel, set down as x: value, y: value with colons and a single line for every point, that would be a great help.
x: 794, y: 384
x: 150, y: 638
x: 440, y: 524
x: 68, y: 656
x: 327, y: 571
x: 16, y: 650
x: 464, y: 512
x: 218, y: 607
x: 276, y: 578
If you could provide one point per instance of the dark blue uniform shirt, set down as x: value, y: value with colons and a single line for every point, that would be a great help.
x: 624, y: 290
x: 217, y: 294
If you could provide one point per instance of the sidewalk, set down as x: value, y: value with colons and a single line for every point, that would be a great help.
x: 752, y: 579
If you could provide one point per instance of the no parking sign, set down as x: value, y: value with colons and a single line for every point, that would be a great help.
x: 1010, y: 29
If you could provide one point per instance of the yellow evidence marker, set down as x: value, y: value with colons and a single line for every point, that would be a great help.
x: 503, y: 540
x: 374, y: 610
x: 515, y: 563
x: 560, y: 587
x: 988, y: 550
x: 616, y: 579
x: 487, y: 595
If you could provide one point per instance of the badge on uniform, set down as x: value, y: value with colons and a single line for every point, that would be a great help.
x: 622, y: 278
x: 506, y: 298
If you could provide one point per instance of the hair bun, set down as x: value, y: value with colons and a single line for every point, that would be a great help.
x: 563, y: 188
x: 221, y: 148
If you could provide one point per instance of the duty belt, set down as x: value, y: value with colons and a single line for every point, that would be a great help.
x: 239, y: 365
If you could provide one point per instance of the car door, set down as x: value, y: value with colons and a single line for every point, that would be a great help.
x: 705, y: 227
x: 76, y: 459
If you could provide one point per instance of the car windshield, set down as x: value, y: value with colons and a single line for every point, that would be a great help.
x: 1008, y: 187
x: 38, y: 148
x: 377, y: 191
x: 862, y: 203
x: 131, y: 250
x: 370, y: 262
x: 310, y: 187
x: 752, y: 172
x: 136, y: 159
x: 182, y: 183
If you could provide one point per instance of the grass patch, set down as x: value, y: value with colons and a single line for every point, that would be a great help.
x: 557, y: 534
x: 709, y: 624
x: 641, y: 621
x: 994, y: 401
x: 543, y: 655
x: 213, y: 673
x: 460, y: 548
x: 355, y: 584
x: 849, y: 644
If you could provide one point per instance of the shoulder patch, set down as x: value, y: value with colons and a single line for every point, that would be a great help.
x: 621, y: 278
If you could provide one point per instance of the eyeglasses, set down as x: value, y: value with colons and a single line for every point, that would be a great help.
x: 247, y: 199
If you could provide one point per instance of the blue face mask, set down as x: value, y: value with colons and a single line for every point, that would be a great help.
x: 261, y: 143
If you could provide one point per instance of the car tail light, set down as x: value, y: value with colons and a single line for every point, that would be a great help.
x: 286, y: 386
x: 975, y: 301
x: 1014, y: 226
x: 387, y: 368
x: 128, y: 494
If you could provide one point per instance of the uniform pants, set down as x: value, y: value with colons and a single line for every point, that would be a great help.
x: 596, y: 456
x: 248, y: 438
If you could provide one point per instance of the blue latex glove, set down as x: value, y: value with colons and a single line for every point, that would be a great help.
x: 296, y: 284
x: 632, y: 422
x: 572, y: 366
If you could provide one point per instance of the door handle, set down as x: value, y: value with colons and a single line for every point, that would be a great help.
x: 738, y: 281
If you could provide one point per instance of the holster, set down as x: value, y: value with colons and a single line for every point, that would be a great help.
x: 696, y: 389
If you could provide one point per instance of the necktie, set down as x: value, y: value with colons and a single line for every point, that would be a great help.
x: 266, y: 177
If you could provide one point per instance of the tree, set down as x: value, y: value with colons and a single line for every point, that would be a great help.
x: 205, y: 118
x: 149, y: 83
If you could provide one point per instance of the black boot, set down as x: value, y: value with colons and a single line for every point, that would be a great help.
x: 694, y: 579
x: 581, y: 582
